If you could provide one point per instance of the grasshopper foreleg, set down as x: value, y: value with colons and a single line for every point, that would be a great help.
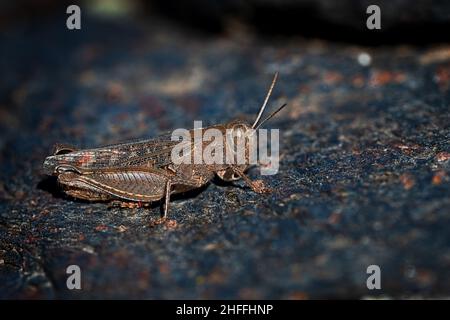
x: 257, y: 186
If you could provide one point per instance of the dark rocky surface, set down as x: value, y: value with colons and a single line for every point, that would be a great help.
x: 364, y: 173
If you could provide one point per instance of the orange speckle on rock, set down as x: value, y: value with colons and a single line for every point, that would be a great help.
x: 304, y: 89
x: 438, y: 177
x: 298, y: 296
x: 217, y: 276
x: 380, y: 78
x: 442, y: 76
x: 101, y: 228
x: 407, y: 180
x: 334, y: 218
x: 164, y: 268
x: 171, y: 224
x: 358, y: 81
x: 404, y: 146
x: 443, y: 156
x: 115, y: 91
x: 249, y: 294
x: 332, y: 77
x: 31, y: 239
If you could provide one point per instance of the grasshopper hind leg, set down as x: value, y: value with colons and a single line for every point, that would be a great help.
x: 168, y: 191
x: 86, y: 194
x: 80, y: 190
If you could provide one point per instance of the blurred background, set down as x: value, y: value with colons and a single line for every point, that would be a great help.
x: 364, y: 171
x: 422, y: 22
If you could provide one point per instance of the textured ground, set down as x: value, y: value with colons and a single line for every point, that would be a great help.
x: 364, y: 173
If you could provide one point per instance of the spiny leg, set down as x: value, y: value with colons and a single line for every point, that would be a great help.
x: 168, y: 190
x: 167, y: 198
x: 193, y: 182
x: 256, y: 186
x: 166, y: 202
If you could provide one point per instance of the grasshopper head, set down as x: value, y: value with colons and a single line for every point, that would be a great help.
x: 62, y: 160
x: 237, y: 143
x: 238, y: 129
x: 241, y: 140
x: 246, y: 133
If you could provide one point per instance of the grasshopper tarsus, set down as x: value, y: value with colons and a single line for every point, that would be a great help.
x: 158, y: 222
x: 257, y: 185
x: 168, y: 223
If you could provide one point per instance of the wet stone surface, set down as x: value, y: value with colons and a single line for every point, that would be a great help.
x: 364, y: 171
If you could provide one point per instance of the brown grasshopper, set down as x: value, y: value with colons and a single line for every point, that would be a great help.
x: 142, y: 171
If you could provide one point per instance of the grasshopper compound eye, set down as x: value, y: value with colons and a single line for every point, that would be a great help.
x: 240, y: 130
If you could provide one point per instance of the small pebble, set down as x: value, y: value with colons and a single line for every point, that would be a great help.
x: 364, y: 59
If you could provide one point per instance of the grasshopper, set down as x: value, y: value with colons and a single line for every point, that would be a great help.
x: 143, y: 172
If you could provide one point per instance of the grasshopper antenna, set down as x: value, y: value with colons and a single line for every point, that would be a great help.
x: 271, y: 115
x: 275, y: 77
